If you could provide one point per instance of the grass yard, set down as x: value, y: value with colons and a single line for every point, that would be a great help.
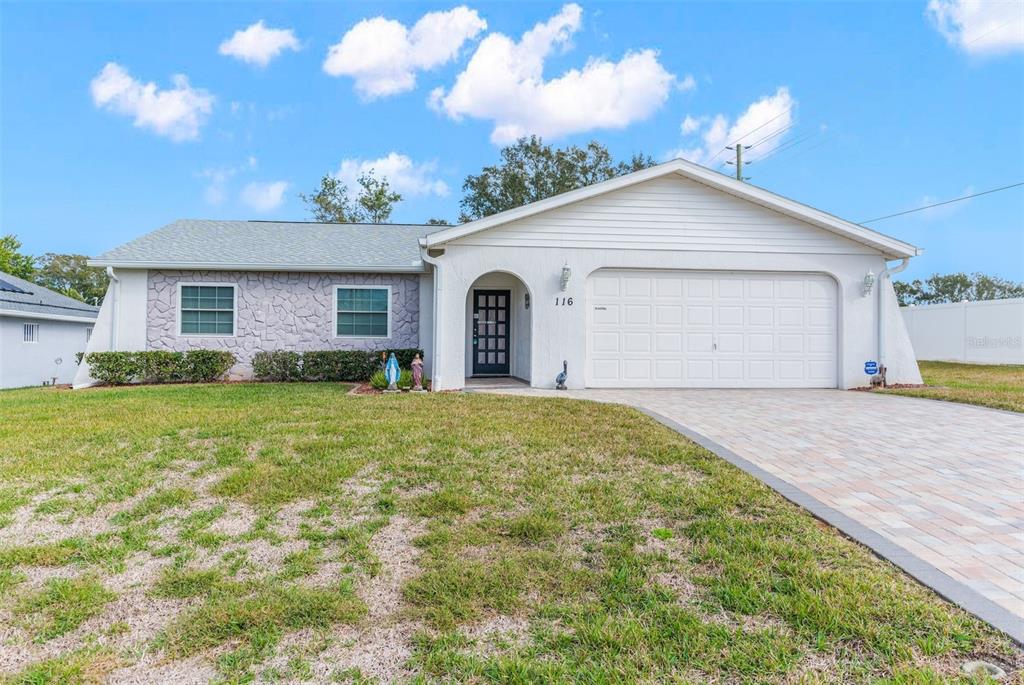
x: 997, y: 386
x: 290, y: 533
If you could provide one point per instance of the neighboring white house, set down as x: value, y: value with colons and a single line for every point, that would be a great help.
x: 985, y: 332
x: 673, y: 276
x: 40, y: 333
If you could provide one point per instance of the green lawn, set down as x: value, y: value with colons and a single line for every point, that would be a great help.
x: 296, y: 533
x: 997, y: 386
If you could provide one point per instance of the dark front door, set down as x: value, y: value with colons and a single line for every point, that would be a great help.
x: 490, y: 332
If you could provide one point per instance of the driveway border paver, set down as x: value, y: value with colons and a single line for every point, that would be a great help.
x: 946, y: 586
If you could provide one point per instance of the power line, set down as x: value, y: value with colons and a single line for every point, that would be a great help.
x: 945, y: 202
x: 977, y: 38
x: 771, y: 135
x: 754, y: 130
x: 791, y: 144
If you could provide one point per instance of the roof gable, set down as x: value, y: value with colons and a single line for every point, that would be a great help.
x: 888, y: 246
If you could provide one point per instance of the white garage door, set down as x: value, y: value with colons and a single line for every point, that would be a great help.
x: 704, y: 329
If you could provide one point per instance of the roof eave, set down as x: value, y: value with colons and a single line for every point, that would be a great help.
x: 45, y: 316
x: 888, y: 246
x: 220, y: 266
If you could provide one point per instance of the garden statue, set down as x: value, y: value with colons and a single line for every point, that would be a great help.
x: 392, y: 373
x: 417, y: 373
x: 560, y: 378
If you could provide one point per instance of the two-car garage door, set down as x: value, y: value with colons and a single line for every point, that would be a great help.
x: 706, y: 329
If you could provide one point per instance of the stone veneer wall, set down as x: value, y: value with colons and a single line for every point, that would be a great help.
x: 279, y: 311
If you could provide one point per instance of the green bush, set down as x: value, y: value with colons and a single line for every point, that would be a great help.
x: 353, y: 366
x: 277, y: 366
x: 159, y: 366
x: 114, y: 368
x: 338, y: 365
x: 379, y: 382
x: 206, y: 366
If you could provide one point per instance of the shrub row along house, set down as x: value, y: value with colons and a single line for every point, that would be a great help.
x: 41, y: 332
x: 673, y: 276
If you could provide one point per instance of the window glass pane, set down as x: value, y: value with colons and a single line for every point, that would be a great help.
x: 207, y: 310
x: 362, y: 312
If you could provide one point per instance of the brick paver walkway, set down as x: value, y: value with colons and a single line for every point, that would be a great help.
x: 943, y: 481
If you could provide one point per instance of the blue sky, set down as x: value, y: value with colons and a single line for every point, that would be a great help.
x: 886, y: 107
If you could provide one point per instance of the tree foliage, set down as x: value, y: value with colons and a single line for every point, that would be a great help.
x: 530, y: 170
x: 939, y: 288
x: 70, y: 275
x: 330, y: 203
x: 12, y: 260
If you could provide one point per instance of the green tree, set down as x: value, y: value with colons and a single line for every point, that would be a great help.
x: 376, y: 199
x: 530, y: 170
x: 437, y: 222
x: 12, y: 261
x: 955, y: 287
x: 71, y: 275
x: 330, y: 203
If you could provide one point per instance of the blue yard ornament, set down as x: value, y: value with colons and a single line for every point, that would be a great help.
x: 392, y: 373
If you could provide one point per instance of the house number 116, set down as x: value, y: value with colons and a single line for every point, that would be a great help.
x: 563, y: 301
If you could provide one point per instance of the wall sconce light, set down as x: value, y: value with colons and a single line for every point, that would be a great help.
x: 869, y: 282
x: 566, y: 275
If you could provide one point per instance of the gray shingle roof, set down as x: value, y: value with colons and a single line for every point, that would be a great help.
x: 274, y: 244
x: 35, y: 299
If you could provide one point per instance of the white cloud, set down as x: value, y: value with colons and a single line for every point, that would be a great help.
x: 216, y: 191
x: 691, y: 124
x: 979, y: 26
x: 383, y: 56
x: 404, y: 175
x: 258, y: 45
x: 177, y: 113
x: 264, y: 197
x: 763, y: 125
x: 504, y: 82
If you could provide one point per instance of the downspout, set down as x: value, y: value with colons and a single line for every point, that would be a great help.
x: 435, y: 370
x: 115, y: 293
x: 887, y: 272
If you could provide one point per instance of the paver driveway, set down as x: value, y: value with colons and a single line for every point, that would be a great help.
x: 942, y: 481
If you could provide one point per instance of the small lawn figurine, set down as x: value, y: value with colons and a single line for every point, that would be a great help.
x: 392, y: 373
x: 417, y: 373
x: 560, y: 378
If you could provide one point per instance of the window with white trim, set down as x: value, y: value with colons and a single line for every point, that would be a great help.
x: 30, y: 332
x: 207, y: 310
x: 363, y: 312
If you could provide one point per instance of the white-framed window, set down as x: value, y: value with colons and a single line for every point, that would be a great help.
x: 362, y: 311
x: 206, y: 309
x: 30, y: 332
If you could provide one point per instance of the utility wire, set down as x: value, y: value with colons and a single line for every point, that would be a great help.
x: 770, y: 136
x: 754, y: 130
x: 945, y: 202
x: 789, y: 145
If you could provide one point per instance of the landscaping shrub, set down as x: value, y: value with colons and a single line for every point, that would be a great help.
x: 277, y: 366
x: 159, y: 366
x: 338, y: 365
x: 206, y: 366
x: 114, y: 368
x: 325, y: 365
x: 379, y: 382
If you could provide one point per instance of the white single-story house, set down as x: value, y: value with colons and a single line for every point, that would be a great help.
x: 673, y: 276
x: 41, y: 331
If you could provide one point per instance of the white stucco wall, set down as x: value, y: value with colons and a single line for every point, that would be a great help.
x: 24, y: 364
x: 559, y: 332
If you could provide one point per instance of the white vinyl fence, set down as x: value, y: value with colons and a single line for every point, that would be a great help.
x: 988, y: 332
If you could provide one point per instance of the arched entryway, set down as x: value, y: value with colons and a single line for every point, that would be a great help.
x: 498, y: 327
